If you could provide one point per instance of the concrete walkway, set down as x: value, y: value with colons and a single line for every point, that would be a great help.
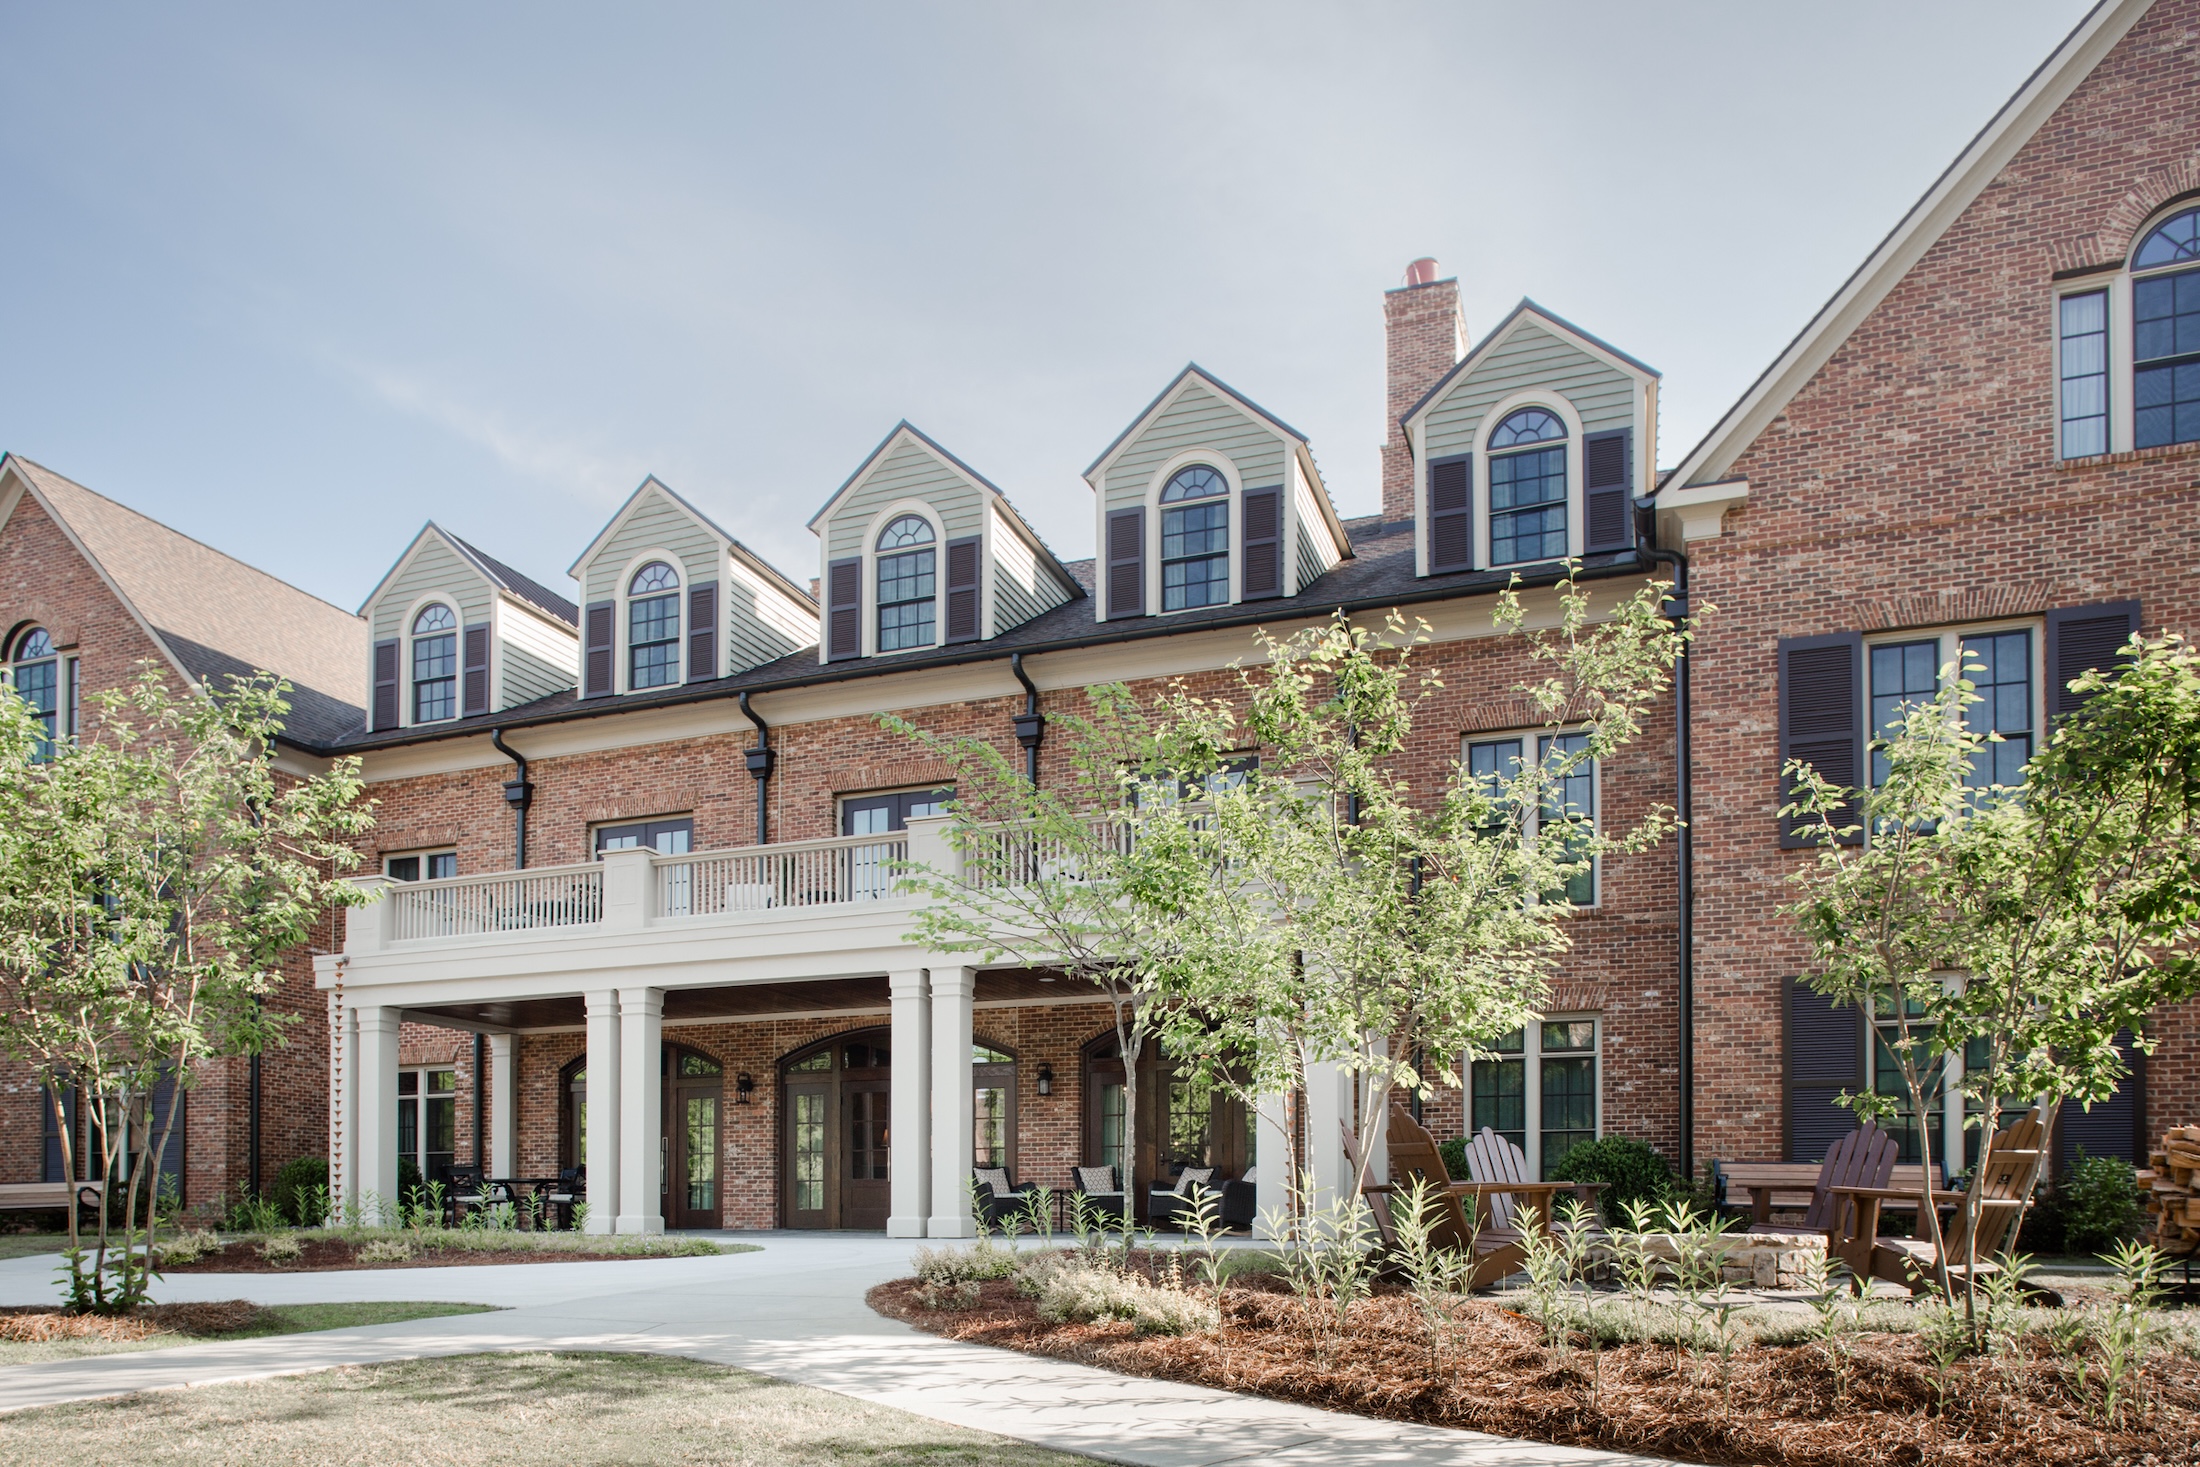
x: 793, y: 1311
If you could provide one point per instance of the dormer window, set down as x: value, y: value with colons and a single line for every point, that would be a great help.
x: 1195, y: 539
x: 653, y: 627
x: 1528, y: 488
x: 907, y: 577
x: 435, y: 664
x: 36, y: 672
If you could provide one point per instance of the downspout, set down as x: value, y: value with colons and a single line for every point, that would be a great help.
x: 519, y: 794
x: 1031, y: 724
x: 760, y: 766
x: 1676, y: 610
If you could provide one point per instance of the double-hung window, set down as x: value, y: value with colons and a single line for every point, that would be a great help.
x: 1528, y: 488
x: 2165, y: 333
x: 2083, y: 368
x: 1195, y: 539
x: 427, y: 1120
x: 435, y: 664
x: 1539, y: 1089
x: 2002, y: 664
x: 653, y: 627
x: 908, y: 589
x: 36, y: 673
x: 421, y: 866
x: 1568, y: 809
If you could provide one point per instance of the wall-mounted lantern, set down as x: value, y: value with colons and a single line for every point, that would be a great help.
x: 744, y: 1086
x: 1046, y: 1079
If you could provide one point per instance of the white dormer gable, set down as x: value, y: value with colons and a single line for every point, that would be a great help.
x: 1208, y: 499
x: 918, y: 550
x: 1534, y: 447
x: 669, y: 598
x: 458, y: 634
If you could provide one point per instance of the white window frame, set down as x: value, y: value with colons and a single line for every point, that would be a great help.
x: 1950, y: 639
x: 1531, y: 1082
x: 1531, y: 824
x: 2123, y: 429
x: 423, y: 856
x: 419, y: 1101
x: 622, y: 630
x: 1233, y: 497
x: 871, y: 555
x: 1557, y: 405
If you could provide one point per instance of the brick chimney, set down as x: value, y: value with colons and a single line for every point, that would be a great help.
x: 1425, y: 335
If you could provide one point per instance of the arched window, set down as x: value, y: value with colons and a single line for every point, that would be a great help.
x: 653, y: 627
x: 36, y: 672
x: 2165, y: 333
x: 1195, y: 539
x: 435, y: 664
x: 907, y: 573
x: 1528, y: 488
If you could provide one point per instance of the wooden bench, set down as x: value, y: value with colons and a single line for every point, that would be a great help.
x: 50, y: 1196
x: 1788, y: 1184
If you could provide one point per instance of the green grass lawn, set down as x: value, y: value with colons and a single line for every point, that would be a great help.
x: 27, y: 1245
x: 493, y: 1410
x: 279, y: 1319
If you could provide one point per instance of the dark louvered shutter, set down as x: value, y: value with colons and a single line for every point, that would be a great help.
x: 1451, y: 514
x: 1608, y: 464
x: 963, y: 600
x: 702, y: 630
x: 2113, y: 1127
x: 385, y: 684
x: 601, y: 621
x: 169, y: 1096
x: 1825, y: 1056
x: 2080, y: 639
x: 1821, y: 721
x: 59, y: 1119
x: 476, y: 683
x: 1126, y: 563
x: 844, y: 609
x: 1261, y: 574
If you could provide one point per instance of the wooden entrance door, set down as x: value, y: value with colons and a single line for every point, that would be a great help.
x: 835, y: 1136
x: 693, y: 1091
x: 864, y: 1194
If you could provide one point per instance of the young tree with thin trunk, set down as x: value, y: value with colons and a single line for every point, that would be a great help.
x: 153, y: 874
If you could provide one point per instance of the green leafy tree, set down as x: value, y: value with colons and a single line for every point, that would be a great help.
x: 2020, y: 928
x: 153, y: 874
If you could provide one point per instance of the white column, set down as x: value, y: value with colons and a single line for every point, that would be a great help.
x: 629, y: 889
x: 375, y: 1121
x: 911, y: 1137
x: 952, y: 1098
x: 1328, y: 1103
x: 1272, y: 1163
x: 503, y: 1105
x: 641, y: 1110
x: 603, y: 1111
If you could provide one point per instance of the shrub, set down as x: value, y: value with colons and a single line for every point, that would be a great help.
x: 938, y: 1266
x: 1455, y: 1157
x: 189, y: 1248
x: 1631, y: 1171
x: 282, y: 1248
x: 250, y: 1214
x: 1083, y: 1294
x: 293, y: 1190
x: 2099, y: 1203
x: 964, y: 1295
x: 386, y: 1250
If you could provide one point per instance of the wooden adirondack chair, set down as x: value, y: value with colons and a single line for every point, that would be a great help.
x: 1491, y: 1158
x: 1865, y: 1157
x: 2002, y: 1189
x: 1496, y: 1249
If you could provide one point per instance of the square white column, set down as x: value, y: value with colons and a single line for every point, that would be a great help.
x: 376, y: 1119
x: 1328, y: 1108
x: 910, y: 1140
x: 641, y: 1110
x: 602, y: 1158
x: 953, y: 1096
x: 503, y: 1105
x: 1272, y: 1162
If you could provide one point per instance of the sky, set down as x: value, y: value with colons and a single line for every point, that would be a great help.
x: 295, y: 279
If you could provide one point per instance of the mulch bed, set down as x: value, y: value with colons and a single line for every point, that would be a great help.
x: 35, y: 1323
x: 324, y: 1254
x: 1780, y: 1405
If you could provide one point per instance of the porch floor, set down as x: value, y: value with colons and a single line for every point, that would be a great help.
x: 793, y: 1311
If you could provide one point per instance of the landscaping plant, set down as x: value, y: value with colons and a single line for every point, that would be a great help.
x: 1631, y: 1170
x: 155, y: 872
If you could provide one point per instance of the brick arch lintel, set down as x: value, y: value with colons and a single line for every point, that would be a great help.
x: 2111, y: 244
x: 62, y: 629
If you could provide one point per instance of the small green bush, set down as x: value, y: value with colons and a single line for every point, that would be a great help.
x: 1630, y: 1170
x: 293, y: 1189
x: 2099, y: 1202
x: 984, y: 1260
x: 1455, y: 1158
x: 1083, y: 1294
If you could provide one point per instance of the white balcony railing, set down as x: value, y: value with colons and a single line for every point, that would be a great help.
x: 810, y: 873
x: 511, y: 901
x: 1014, y: 855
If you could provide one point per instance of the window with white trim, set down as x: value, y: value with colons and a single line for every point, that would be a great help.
x: 435, y: 664
x: 1569, y: 804
x: 427, y: 1120
x: 1195, y: 539
x: 2165, y: 333
x: 908, y: 584
x: 1528, y: 488
x: 1540, y: 1089
x: 421, y: 866
x: 653, y: 627
x: 2083, y: 368
x: 35, y: 670
x: 2005, y: 669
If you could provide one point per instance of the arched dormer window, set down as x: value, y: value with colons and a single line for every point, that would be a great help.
x: 1528, y: 488
x: 2165, y: 333
x: 36, y: 672
x: 435, y: 664
x: 1195, y: 539
x: 653, y: 627
x: 908, y: 573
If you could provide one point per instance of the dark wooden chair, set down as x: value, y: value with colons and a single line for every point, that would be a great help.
x: 1999, y: 1193
x: 1865, y: 1157
x: 1496, y: 1249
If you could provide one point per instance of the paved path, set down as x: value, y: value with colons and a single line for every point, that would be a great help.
x: 793, y: 1311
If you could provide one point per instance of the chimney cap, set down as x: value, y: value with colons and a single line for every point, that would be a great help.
x: 1422, y: 271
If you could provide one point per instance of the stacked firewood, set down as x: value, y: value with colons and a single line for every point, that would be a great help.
x: 2170, y: 1183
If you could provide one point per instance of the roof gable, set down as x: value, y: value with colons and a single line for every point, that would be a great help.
x: 430, y: 533
x: 1527, y: 315
x: 1193, y: 372
x: 1953, y: 192
x: 652, y: 489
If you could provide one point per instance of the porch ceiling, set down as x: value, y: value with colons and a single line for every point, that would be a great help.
x: 751, y: 1001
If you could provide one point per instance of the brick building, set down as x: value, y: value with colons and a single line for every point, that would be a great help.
x: 633, y: 843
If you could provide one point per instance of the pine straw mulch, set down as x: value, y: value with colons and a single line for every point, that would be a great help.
x: 1781, y: 1405
x: 37, y: 1324
x: 322, y: 1254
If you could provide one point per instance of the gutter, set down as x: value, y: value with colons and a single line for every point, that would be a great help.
x: 1676, y: 609
x: 1031, y: 724
x: 519, y: 793
x: 760, y: 761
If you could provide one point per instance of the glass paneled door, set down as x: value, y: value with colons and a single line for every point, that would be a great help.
x: 837, y: 1100
x: 693, y: 1091
x: 870, y: 875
